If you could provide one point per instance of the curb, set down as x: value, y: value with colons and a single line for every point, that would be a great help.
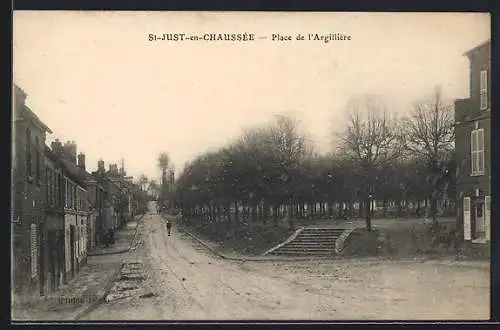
x: 206, y: 246
x: 109, y: 253
x: 98, y: 302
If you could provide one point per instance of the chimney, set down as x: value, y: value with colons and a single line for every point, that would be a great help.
x: 81, y: 161
x: 73, y: 152
x: 57, y: 147
x: 100, y: 166
x: 70, y: 151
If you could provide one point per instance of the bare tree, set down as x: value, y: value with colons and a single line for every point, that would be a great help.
x: 371, y: 141
x: 143, y: 181
x: 430, y: 134
x: 163, y: 164
x: 153, y: 188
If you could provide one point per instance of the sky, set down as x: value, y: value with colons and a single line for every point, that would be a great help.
x: 95, y: 78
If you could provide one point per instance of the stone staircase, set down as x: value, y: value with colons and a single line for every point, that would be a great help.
x: 311, y: 242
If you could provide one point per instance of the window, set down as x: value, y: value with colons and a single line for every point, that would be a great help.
x: 477, y: 152
x: 67, y: 193
x: 58, y: 189
x: 28, y: 153
x: 37, y: 160
x: 49, y: 185
x: 483, y: 89
x: 74, y: 196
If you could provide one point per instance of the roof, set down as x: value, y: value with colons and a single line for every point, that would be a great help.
x: 69, y: 169
x: 73, y: 172
x: 478, y: 47
x: 31, y: 115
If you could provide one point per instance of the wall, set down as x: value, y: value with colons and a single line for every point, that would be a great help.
x: 28, y: 200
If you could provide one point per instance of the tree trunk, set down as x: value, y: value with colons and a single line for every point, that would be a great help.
x: 219, y: 216
x: 290, y: 215
x: 434, y: 210
x: 368, y: 215
x: 264, y: 213
x: 236, y: 211
x: 400, y: 208
x: 275, y: 214
x: 228, y: 212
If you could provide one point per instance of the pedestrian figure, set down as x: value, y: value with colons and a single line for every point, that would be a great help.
x: 169, y: 227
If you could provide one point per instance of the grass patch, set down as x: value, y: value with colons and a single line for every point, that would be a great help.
x: 243, y: 238
x: 420, y: 240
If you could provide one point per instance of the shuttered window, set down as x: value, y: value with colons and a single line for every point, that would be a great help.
x: 477, y: 152
x: 28, y: 153
x: 483, y: 89
x: 34, y: 251
x: 38, y: 165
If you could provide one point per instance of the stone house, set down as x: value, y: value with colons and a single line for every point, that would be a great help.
x: 75, y: 208
x: 473, y: 149
x: 29, y: 252
x: 54, y: 225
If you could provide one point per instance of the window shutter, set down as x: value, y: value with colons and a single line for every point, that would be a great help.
x: 480, y: 140
x: 483, y: 89
x: 480, y: 156
x: 487, y: 216
x: 467, y: 219
x: 484, y: 80
x: 472, y: 152
x: 34, y: 251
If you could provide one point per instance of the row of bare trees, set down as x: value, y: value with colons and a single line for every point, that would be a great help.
x: 273, y: 170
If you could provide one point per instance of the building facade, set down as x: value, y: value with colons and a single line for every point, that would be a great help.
x: 473, y: 149
x: 28, y: 197
x: 75, y: 208
x: 54, y: 225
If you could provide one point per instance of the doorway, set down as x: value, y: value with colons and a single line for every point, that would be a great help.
x: 72, y: 235
x: 480, y: 219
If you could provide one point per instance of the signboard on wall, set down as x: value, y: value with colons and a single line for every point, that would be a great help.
x: 467, y: 220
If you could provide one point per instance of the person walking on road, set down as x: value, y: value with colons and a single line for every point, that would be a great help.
x: 169, y: 227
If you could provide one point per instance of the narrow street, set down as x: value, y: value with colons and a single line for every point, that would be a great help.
x: 186, y: 283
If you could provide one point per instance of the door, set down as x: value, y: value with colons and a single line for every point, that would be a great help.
x: 42, y: 239
x: 72, y: 248
x: 479, y: 225
x: 53, y: 259
x: 467, y: 220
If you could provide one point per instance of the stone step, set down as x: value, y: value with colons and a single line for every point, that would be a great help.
x: 308, y: 241
x: 313, y: 233
x: 311, y: 250
x: 305, y: 253
x: 311, y: 244
x: 319, y: 239
x: 324, y: 230
x: 316, y: 239
x: 307, y: 248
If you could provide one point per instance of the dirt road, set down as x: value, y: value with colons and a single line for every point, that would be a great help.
x: 191, y: 284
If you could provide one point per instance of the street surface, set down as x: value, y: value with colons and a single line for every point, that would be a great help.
x: 184, y: 282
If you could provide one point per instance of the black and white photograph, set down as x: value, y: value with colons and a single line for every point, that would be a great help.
x: 242, y: 166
